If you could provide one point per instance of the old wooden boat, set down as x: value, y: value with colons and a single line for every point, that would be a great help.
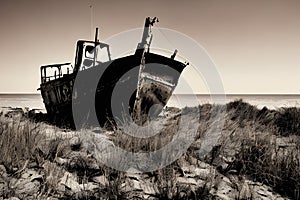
x: 69, y: 101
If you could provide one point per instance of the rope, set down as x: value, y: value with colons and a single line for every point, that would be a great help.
x: 164, y: 35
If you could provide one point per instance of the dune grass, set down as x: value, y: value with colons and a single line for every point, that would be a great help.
x: 266, y: 146
x: 260, y: 144
x: 18, y: 142
x: 264, y: 161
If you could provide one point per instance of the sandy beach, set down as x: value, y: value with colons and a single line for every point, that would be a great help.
x: 255, y: 155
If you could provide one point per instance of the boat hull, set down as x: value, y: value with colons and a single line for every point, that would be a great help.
x: 108, y: 93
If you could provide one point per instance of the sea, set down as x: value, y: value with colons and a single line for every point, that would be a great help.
x: 273, y: 101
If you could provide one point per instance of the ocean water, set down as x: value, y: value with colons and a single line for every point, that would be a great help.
x: 34, y: 101
x: 30, y: 101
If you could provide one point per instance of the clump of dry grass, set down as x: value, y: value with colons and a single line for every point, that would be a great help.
x: 18, y: 142
x: 263, y: 144
x: 125, y: 136
x: 288, y: 121
x: 52, y: 175
x: 264, y: 161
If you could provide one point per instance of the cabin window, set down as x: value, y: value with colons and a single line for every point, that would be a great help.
x: 100, y: 55
x: 89, y: 52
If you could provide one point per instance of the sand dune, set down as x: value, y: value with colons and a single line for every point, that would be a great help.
x: 256, y: 155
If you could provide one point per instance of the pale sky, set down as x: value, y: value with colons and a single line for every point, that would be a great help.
x: 255, y: 44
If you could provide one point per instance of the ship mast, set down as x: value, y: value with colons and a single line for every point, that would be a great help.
x: 147, y: 35
x: 96, y: 40
x: 142, y: 47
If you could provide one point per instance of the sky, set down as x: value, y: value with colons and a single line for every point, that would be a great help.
x: 255, y: 44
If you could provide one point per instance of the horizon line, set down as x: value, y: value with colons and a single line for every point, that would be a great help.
x: 231, y: 94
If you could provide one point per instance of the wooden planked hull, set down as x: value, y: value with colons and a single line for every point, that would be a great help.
x: 158, y: 81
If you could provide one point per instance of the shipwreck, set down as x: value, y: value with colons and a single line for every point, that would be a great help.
x: 153, y: 77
